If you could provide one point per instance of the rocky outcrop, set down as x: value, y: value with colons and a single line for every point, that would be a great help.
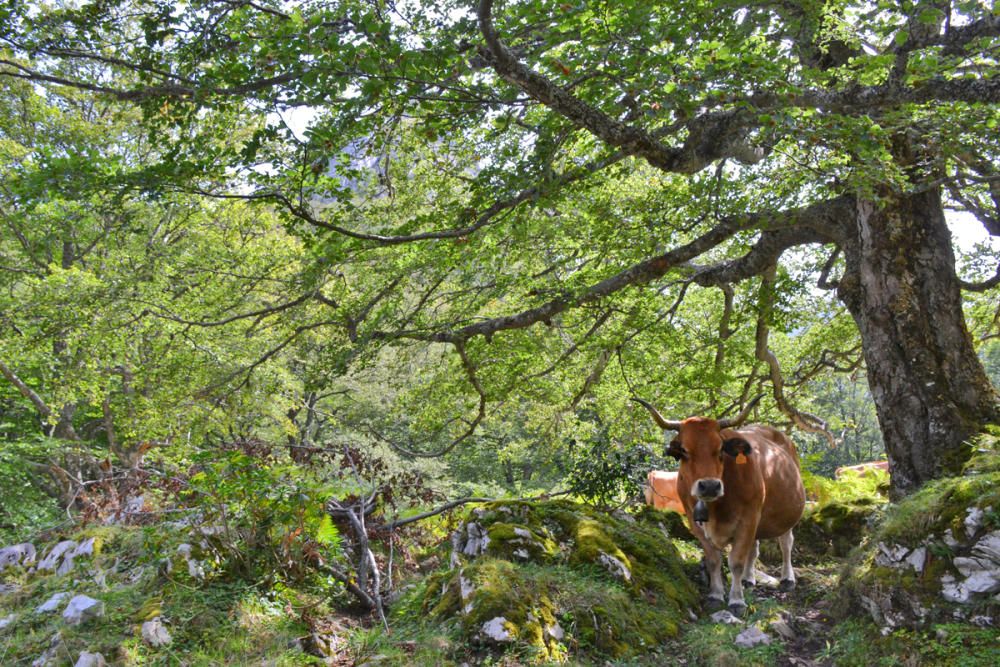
x: 18, y: 554
x: 52, y: 604
x: 519, y: 570
x: 53, y: 560
x: 833, y: 529
x: 82, y: 608
x: 936, y: 556
x: 752, y: 636
x: 155, y: 633
x: 88, y: 659
x: 61, y: 557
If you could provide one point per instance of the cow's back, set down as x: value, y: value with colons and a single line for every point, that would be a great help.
x: 784, y: 495
x: 661, y: 491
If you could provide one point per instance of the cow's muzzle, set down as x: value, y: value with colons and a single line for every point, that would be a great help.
x: 708, y: 489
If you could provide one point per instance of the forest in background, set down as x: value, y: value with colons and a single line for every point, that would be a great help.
x: 182, y: 268
x: 163, y: 326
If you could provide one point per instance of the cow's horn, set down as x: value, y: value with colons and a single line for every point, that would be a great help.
x: 665, y: 424
x: 742, y: 417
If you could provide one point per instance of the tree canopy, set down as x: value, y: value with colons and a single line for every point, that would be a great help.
x: 516, y: 213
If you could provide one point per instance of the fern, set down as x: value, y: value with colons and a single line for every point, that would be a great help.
x: 327, y: 533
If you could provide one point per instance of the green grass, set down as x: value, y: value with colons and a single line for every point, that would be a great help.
x: 218, y: 622
x: 858, y: 643
x: 709, y: 644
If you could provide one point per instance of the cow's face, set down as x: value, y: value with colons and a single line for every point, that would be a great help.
x: 702, y: 453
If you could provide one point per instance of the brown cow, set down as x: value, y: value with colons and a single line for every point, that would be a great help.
x: 747, y: 487
x: 661, y: 491
x: 862, y: 469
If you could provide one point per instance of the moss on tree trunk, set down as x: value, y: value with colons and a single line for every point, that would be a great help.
x: 930, y: 389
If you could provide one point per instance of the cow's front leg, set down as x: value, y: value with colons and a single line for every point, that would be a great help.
x: 713, y: 566
x: 740, y: 566
x: 716, y: 587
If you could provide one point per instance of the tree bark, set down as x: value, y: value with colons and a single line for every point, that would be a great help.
x: 930, y: 389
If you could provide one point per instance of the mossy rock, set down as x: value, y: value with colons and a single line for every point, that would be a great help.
x: 673, y: 524
x: 217, y: 622
x: 835, y: 528
x: 514, y: 541
x: 594, y: 584
x: 912, y: 570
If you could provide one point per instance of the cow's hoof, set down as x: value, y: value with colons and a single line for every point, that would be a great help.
x: 715, y: 604
x: 748, y: 584
x: 786, y: 585
x: 737, y: 609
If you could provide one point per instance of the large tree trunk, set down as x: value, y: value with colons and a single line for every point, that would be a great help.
x: 930, y: 389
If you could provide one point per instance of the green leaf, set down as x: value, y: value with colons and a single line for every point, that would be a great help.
x: 327, y: 533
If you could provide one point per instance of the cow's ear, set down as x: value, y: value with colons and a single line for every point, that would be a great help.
x: 675, y: 450
x: 736, y: 446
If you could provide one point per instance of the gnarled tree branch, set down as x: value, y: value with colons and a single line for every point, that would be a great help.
x: 804, y: 420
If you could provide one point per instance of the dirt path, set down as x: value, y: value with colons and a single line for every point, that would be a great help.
x: 798, y: 624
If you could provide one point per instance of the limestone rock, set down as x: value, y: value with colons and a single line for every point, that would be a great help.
x: 783, y: 629
x: 133, y: 506
x: 949, y: 539
x: 465, y: 590
x: 7, y: 620
x: 615, y: 566
x: 751, y: 637
x: 498, y: 603
x: 980, y: 571
x: 918, y: 559
x: 898, y: 556
x: 974, y: 520
x: 51, y: 604
x: 85, y: 548
x: 981, y: 575
x: 196, y: 569
x: 988, y: 547
x: 87, y: 659
x: 890, y: 555
x: 155, y: 633
x: 54, y: 558
x: 18, y: 554
x: 494, y: 629
x: 52, y: 655
x: 953, y: 591
x: 477, y: 539
x: 725, y: 617
x: 82, y: 608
